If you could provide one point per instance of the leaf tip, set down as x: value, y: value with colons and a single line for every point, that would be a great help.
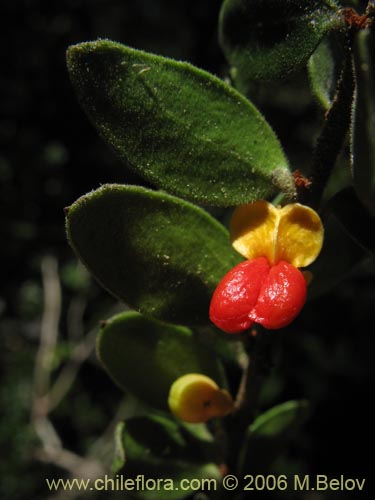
x: 72, y: 53
x: 77, y: 53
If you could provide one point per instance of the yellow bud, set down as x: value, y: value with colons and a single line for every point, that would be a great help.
x: 293, y: 233
x: 196, y: 398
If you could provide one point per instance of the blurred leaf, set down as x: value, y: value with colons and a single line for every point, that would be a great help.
x: 179, y: 127
x: 156, y: 448
x: 364, y: 119
x: 145, y: 357
x: 30, y: 299
x: 197, y: 433
x: 354, y: 217
x: 268, y: 436
x: 339, y: 256
x: 217, y: 340
x: 161, y: 255
x: 75, y: 276
x: 272, y: 388
x: 325, y: 65
x: 340, y: 178
x: 63, y: 352
x: 267, y: 39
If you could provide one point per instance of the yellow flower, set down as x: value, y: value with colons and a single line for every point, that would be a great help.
x: 293, y: 233
x: 196, y: 398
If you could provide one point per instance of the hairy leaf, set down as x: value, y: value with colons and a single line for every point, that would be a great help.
x: 181, y: 128
x: 145, y: 357
x: 161, y: 255
x: 267, y: 39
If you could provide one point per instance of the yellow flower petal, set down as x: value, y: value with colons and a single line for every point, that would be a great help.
x: 196, y: 398
x: 299, y: 235
x: 253, y: 230
x: 293, y: 233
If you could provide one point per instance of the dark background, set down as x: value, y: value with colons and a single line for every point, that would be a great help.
x: 50, y: 155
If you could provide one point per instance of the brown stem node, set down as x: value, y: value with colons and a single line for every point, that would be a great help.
x: 355, y: 21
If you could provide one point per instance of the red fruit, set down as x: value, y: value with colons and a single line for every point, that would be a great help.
x: 281, y: 297
x: 237, y: 294
x: 254, y: 291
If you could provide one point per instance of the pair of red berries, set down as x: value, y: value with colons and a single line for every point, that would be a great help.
x: 268, y: 288
x: 256, y: 292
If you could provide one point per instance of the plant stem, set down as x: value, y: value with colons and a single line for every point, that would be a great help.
x: 332, y: 137
x: 259, y: 349
x: 49, y: 332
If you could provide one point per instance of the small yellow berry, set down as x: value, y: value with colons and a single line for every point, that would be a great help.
x: 197, y: 398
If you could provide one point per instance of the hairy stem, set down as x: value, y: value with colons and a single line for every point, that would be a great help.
x: 332, y: 137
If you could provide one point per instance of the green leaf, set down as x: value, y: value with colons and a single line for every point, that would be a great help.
x: 156, y: 448
x: 325, y: 66
x: 354, y: 217
x: 268, y: 436
x: 267, y: 39
x: 145, y: 357
x: 179, y: 127
x: 364, y: 119
x: 161, y: 255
